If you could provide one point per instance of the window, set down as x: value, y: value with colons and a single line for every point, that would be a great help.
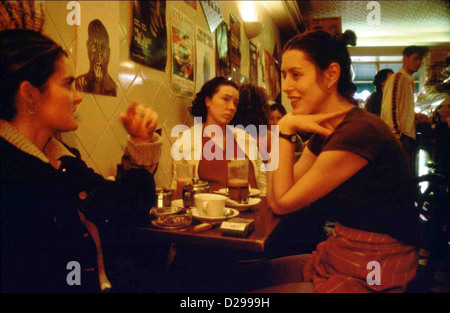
x: 365, y: 68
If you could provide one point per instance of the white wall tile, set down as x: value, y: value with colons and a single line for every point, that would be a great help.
x: 100, y: 136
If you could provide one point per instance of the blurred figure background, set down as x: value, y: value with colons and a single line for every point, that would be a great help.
x: 373, y: 103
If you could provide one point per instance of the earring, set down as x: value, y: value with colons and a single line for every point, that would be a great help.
x: 32, y: 110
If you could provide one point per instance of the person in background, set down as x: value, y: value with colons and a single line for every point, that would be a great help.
x: 353, y: 165
x: 252, y: 110
x: 53, y: 207
x: 373, y: 103
x: 397, y: 106
x: 216, y: 103
x: 276, y: 112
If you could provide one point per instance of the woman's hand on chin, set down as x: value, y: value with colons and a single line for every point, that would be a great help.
x: 139, y: 121
x: 311, y: 123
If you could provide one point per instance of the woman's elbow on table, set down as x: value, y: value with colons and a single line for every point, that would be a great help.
x: 282, y: 206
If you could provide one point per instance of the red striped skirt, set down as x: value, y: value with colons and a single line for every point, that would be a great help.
x: 340, y: 264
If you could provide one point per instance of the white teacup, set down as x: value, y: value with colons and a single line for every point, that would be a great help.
x: 209, y: 204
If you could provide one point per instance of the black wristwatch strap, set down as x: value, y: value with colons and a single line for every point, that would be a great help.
x: 291, y: 138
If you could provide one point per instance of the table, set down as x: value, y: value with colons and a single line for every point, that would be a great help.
x: 265, y: 223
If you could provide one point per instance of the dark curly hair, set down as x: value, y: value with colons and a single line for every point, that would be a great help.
x: 252, y: 108
x: 25, y: 55
x: 324, y: 49
x: 209, y: 89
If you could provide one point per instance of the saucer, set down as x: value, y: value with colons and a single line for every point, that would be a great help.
x: 253, y: 192
x: 243, y: 206
x: 213, y: 218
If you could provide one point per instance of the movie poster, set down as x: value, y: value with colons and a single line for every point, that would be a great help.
x: 98, y: 49
x: 192, y: 3
x: 222, y: 50
x: 205, y: 57
x: 149, y: 37
x: 183, y: 58
x: 22, y: 15
x: 253, y: 70
x: 272, y: 76
x: 332, y: 25
x: 235, y: 48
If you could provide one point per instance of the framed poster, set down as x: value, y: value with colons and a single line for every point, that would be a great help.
x: 235, y: 48
x: 183, y: 58
x: 22, y: 15
x: 149, y: 38
x: 222, y: 49
x: 213, y: 13
x: 333, y: 25
x: 205, y: 57
x: 253, y: 70
x: 272, y: 76
x: 98, y: 49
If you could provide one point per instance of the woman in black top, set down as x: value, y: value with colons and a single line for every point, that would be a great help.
x: 51, y: 202
x: 353, y: 165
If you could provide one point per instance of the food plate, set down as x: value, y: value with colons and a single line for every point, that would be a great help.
x: 253, y: 192
x: 243, y: 206
x: 213, y: 219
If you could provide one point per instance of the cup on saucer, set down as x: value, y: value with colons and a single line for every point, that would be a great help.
x: 209, y: 204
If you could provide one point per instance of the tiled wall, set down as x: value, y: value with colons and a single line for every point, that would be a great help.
x: 100, y: 136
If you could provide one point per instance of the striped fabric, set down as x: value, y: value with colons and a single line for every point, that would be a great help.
x: 340, y: 263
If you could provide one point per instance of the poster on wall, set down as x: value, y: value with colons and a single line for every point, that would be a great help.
x: 333, y: 25
x: 149, y: 38
x: 97, y: 65
x: 272, y: 76
x: 213, y: 14
x: 22, y: 15
x: 183, y: 58
x: 222, y: 50
x: 253, y: 70
x: 205, y: 57
x: 192, y: 3
x: 235, y: 50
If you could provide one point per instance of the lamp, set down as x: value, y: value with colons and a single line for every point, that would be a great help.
x: 253, y: 29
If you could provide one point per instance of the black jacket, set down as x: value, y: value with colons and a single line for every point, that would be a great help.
x: 40, y: 227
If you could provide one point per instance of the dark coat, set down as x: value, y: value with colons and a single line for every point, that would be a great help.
x: 40, y: 227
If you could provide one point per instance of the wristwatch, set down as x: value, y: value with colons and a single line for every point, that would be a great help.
x: 292, y: 137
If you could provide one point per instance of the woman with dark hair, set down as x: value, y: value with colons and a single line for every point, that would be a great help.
x: 276, y: 112
x: 216, y: 104
x: 252, y: 111
x: 353, y: 167
x: 50, y: 199
x: 373, y: 103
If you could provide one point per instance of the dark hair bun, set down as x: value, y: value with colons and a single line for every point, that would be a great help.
x: 349, y: 38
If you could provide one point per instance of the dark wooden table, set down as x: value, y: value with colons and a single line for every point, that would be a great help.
x: 265, y: 223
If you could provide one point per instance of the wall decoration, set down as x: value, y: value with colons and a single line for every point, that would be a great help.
x: 183, y: 58
x: 205, y: 57
x: 235, y: 48
x: 222, y: 49
x: 149, y: 37
x: 213, y: 13
x: 192, y: 4
x: 272, y: 76
x: 253, y: 70
x: 22, y: 14
x: 333, y: 25
x: 97, y: 39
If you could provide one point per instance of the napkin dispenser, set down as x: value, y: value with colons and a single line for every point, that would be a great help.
x: 237, y: 227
